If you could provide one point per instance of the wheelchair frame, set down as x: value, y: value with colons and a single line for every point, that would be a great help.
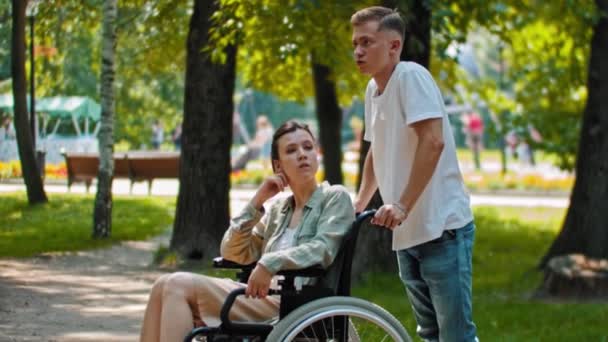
x: 312, y: 305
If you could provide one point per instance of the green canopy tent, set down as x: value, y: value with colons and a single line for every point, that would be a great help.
x: 59, y: 108
x: 6, y: 103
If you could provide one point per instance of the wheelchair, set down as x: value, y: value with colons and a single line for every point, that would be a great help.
x: 324, y: 312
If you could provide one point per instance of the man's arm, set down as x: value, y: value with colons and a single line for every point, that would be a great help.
x: 368, y: 183
x: 428, y: 151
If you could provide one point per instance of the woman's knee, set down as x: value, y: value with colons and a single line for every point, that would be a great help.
x: 178, y: 284
x: 159, y: 285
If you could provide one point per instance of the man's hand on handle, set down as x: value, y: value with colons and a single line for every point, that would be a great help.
x: 390, y: 215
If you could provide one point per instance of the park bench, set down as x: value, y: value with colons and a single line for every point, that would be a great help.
x: 147, y: 166
x: 135, y: 166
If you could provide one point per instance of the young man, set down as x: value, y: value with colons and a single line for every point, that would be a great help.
x: 412, y: 160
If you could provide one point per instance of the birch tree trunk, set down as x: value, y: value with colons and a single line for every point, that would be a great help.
x: 31, y: 175
x: 102, y: 216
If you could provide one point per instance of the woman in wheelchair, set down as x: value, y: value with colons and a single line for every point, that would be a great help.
x: 296, y: 232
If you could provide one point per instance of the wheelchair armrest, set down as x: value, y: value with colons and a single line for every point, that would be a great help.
x: 245, y: 327
x: 220, y: 262
x: 312, y: 272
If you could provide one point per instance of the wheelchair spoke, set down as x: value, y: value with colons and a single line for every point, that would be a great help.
x: 352, y: 319
x: 333, y: 329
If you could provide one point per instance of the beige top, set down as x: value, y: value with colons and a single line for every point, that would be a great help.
x: 326, y: 218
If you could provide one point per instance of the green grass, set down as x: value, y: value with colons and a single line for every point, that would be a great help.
x: 509, y: 244
x: 65, y: 223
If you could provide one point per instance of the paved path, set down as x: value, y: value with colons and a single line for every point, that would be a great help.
x: 97, y: 295
x: 170, y: 188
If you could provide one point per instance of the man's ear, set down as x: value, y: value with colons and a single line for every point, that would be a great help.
x: 395, y: 45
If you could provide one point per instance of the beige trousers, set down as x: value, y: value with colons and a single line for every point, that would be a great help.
x: 212, y: 292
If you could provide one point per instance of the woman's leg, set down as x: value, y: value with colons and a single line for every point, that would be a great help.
x: 150, y: 329
x: 171, y: 308
x: 180, y: 299
x: 178, y: 303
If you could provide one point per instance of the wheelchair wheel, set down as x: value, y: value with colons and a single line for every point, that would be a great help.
x: 339, y: 319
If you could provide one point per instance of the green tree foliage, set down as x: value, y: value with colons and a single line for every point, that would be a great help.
x: 541, y: 80
x: 151, y: 67
x: 544, y: 56
x: 5, y: 43
x: 150, y: 63
x: 277, y: 39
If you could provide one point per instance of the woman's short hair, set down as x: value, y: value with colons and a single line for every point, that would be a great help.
x: 287, y: 127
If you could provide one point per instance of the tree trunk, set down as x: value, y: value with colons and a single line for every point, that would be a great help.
x: 29, y: 168
x: 585, y: 230
x: 329, y: 117
x: 417, y: 45
x: 102, y: 215
x: 203, y: 201
x: 375, y: 241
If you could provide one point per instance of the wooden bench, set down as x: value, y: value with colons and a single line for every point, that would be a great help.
x: 135, y: 166
x: 81, y: 168
x: 147, y: 166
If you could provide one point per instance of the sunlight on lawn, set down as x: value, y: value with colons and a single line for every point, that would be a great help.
x: 65, y: 223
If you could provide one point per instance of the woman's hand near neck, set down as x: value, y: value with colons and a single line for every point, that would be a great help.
x: 270, y: 187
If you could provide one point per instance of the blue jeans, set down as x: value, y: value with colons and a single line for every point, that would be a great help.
x: 437, y: 278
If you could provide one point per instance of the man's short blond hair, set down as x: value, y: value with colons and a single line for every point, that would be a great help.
x: 387, y: 18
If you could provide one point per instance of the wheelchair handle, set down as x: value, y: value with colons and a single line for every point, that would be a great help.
x: 364, y: 216
x: 242, y: 326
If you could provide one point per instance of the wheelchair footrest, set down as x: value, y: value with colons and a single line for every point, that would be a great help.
x: 201, y: 331
x: 242, y: 328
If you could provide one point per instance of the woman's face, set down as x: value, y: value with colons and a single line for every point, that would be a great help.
x: 297, y: 156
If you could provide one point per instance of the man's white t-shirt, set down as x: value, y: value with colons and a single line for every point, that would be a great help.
x: 411, y: 95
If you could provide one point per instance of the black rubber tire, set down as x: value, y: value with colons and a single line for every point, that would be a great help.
x: 324, y: 308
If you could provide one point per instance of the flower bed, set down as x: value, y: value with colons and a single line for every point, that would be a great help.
x: 12, y: 169
x: 479, y: 181
x: 475, y: 181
